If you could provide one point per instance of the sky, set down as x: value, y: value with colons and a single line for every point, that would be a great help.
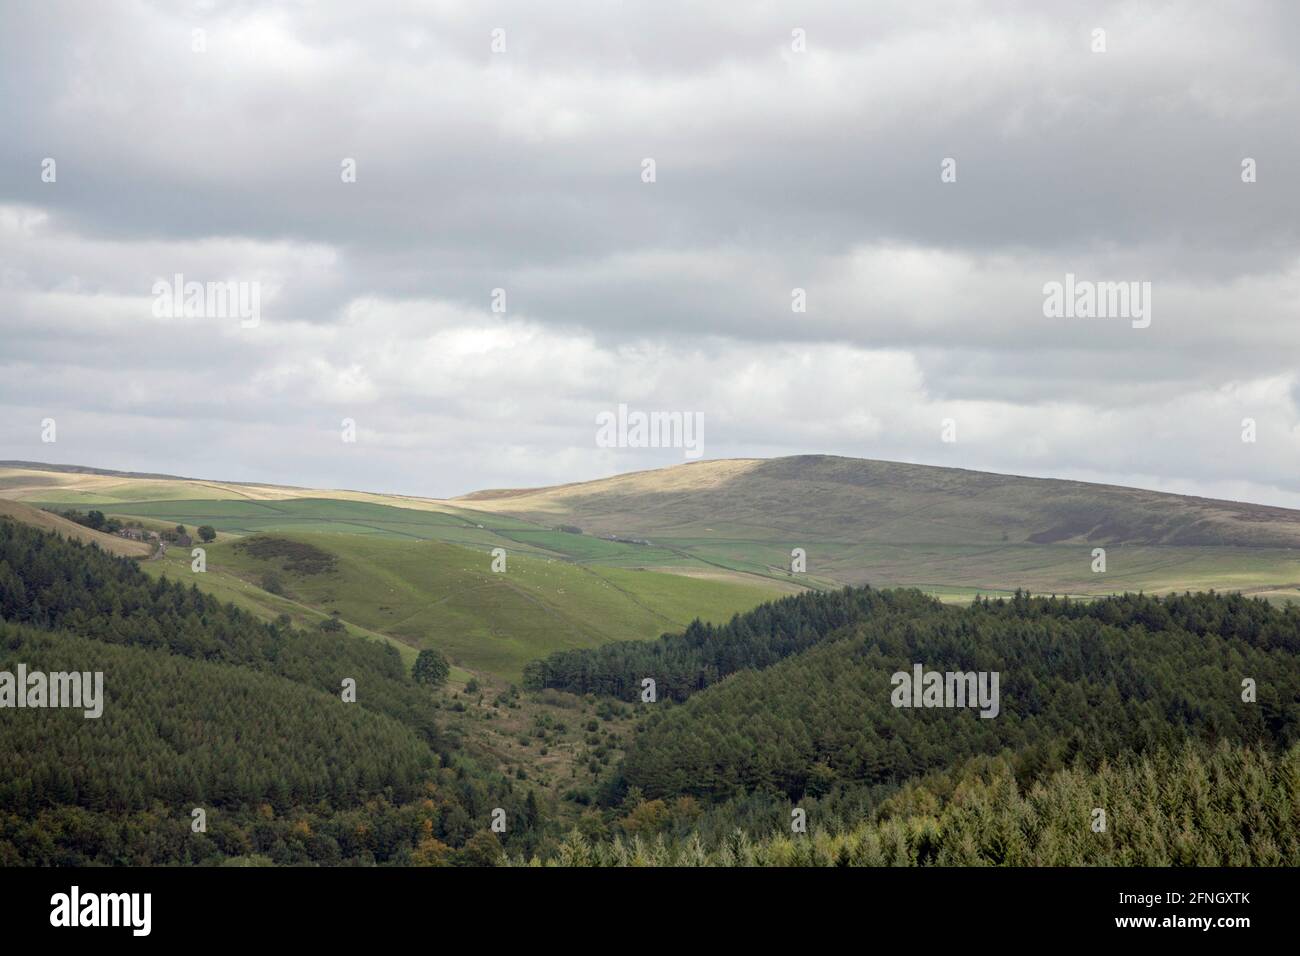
x: 462, y: 258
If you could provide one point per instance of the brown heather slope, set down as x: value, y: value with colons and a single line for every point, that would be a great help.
x: 850, y: 499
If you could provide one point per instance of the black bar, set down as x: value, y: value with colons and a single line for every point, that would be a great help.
x: 551, y: 905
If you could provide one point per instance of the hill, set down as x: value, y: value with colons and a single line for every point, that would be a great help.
x: 428, y: 593
x: 411, y: 573
x: 1093, y: 679
x: 794, y: 708
x: 36, y: 518
x: 787, y: 705
x: 83, y: 485
x: 950, y: 531
x: 207, y: 707
x: 827, y: 497
x: 1136, y: 705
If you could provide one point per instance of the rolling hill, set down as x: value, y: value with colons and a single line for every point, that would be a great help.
x: 410, y: 573
x: 775, y: 704
x: 822, y: 497
x: 428, y: 593
x: 951, y: 532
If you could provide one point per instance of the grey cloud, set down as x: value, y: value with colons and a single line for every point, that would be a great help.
x: 775, y: 170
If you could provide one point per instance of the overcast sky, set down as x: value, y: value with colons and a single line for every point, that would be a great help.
x: 222, y: 156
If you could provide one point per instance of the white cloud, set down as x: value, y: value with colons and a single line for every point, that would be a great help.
x: 776, y: 170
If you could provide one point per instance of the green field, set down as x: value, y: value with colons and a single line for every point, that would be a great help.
x: 1042, y: 568
x: 452, y: 526
x: 433, y: 594
x: 954, y: 572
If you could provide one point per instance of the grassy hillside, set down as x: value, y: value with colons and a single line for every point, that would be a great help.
x: 327, y: 514
x: 950, y: 532
x: 36, y: 518
x: 432, y: 594
x: 393, y: 517
x: 417, y: 577
x: 954, y: 571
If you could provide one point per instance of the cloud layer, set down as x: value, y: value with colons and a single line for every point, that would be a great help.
x: 775, y: 170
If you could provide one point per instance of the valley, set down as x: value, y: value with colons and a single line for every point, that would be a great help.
x: 685, y: 575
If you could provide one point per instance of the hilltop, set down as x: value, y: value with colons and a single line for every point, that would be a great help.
x: 852, y: 498
x: 950, y: 531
